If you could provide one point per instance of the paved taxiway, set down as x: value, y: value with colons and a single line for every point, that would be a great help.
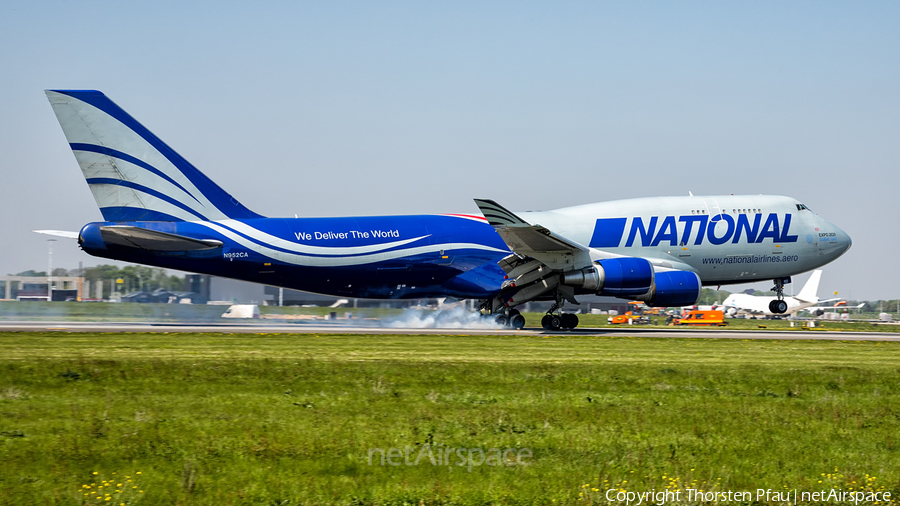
x: 659, y: 332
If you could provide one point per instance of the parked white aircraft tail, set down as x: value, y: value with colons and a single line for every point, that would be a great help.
x: 809, y: 290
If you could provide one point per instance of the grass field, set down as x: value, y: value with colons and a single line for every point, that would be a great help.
x: 300, y: 419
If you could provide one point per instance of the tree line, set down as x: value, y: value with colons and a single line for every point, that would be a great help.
x: 134, y: 278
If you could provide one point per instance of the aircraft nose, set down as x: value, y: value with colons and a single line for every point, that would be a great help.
x: 835, y: 243
x: 844, y: 240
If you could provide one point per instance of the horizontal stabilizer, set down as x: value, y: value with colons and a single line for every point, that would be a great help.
x: 152, y: 240
x: 68, y: 234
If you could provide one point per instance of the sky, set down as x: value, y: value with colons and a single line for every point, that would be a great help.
x: 371, y: 108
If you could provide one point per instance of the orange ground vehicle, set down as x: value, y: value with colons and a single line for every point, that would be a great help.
x: 624, y: 318
x: 702, y: 318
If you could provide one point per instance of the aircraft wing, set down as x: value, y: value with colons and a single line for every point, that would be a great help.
x: 836, y: 306
x: 153, y: 240
x: 543, y: 261
x: 534, y: 241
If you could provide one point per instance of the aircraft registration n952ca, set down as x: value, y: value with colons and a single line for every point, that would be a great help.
x: 159, y: 210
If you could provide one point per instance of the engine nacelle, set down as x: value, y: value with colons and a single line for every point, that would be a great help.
x: 589, y: 278
x: 634, y: 278
x: 618, y: 277
x: 673, y: 289
x: 626, y: 276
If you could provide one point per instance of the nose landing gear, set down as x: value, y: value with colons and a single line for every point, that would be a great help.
x: 779, y: 306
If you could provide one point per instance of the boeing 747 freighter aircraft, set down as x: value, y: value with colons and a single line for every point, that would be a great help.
x: 159, y: 210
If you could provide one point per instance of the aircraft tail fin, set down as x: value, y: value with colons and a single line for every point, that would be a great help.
x: 133, y: 175
x: 808, y: 293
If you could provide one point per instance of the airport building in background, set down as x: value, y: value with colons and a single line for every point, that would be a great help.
x: 201, y: 288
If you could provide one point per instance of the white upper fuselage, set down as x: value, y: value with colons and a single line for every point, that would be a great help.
x: 725, y: 239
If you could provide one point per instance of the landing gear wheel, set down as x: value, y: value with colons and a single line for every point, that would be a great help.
x: 555, y: 322
x: 779, y: 306
x: 569, y: 321
x: 545, y: 322
x: 513, y: 312
x: 501, y: 319
x: 517, y: 321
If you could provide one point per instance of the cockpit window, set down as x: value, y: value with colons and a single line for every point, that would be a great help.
x: 802, y: 207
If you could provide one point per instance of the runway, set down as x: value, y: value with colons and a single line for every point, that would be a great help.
x: 341, y: 328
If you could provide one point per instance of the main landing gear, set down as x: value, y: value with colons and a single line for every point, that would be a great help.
x: 555, y: 320
x: 502, y: 315
x: 511, y: 318
x: 778, y: 306
x: 508, y: 317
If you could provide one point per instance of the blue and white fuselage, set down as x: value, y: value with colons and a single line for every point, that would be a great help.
x: 160, y: 210
x: 751, y: 239
x: 368, y: 257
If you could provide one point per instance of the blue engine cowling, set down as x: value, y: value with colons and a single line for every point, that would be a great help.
x: 634, y: 278
x: 617, y: 277
x: 623, y: 277
x: 675, y: 288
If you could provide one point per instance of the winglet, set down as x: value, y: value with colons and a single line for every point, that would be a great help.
x: 498, y: 215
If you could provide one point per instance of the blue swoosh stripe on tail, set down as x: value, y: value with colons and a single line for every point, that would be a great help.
x: 216, y: 195
x: 76, y: 146
x: 144, y: 189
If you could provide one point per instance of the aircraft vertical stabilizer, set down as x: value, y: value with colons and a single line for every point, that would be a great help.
x: 811, y: 288
x: 133, y: 175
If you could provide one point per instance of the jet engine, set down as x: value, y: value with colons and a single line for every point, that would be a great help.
x: 618, y: 277
x: 634, y: 278
x: 672, y: 289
